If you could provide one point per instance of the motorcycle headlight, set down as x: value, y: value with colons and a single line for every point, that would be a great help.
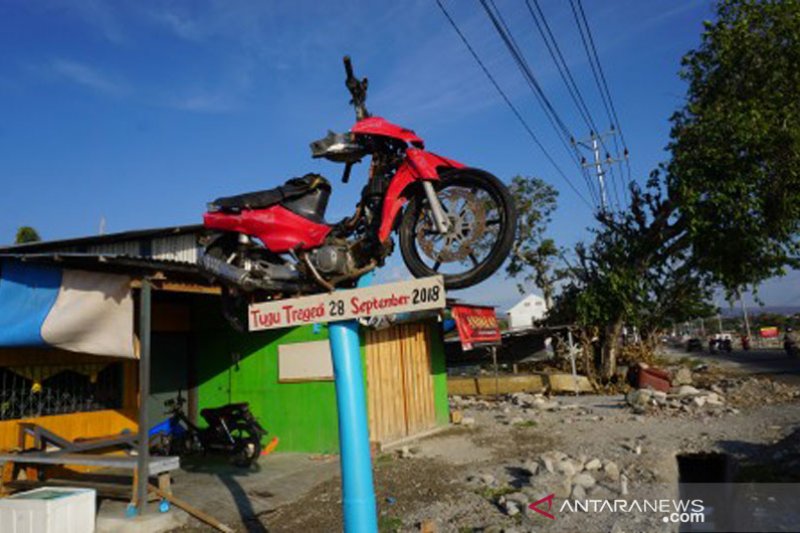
x: 338, y: 147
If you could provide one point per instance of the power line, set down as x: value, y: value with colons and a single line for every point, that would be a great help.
x: 599, y: 75
x: 574, y: 91
x: 511, y: 105
x: 602, y: 73
x: 563, y: 69
x: 562, y: 132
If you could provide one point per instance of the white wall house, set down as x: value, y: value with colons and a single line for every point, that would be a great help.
x: 530, y: 308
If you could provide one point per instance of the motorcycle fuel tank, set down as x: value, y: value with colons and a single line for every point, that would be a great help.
x: 278, y: 228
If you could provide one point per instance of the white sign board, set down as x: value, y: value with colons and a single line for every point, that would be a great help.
x: 401, y: 297
x: 305, y: 361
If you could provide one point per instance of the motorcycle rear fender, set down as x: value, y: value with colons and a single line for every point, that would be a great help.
x: 419, y: 165
x: 278, y: 228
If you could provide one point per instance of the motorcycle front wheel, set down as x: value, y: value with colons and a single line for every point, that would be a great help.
x: 482, y: 227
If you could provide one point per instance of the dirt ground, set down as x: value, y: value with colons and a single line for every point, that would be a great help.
x: 462, y: 479
x: 508, y: 452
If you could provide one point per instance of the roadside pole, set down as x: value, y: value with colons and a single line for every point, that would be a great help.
x: 496, y: 372
x: 143, y: 448
x: 358, y: 493
x: 572, y: 360
x: 746, y: 318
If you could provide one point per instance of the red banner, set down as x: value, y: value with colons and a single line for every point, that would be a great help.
x: 768, y: 333
x: 476, y: 325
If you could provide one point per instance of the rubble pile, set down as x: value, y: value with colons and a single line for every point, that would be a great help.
x: 752, y: 391
x: 684, y: 399
x: 554, y: 472
x: 517, y: 400
x: 518, y: 408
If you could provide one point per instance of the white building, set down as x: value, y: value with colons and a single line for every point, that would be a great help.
x: 526, y: 311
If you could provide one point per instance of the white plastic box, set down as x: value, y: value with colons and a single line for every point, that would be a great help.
x: 49, y: 510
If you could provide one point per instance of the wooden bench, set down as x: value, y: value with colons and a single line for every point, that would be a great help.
x: 159, y: 467
x: 52, y: 449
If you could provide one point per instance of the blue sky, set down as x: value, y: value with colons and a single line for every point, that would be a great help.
x: 141, y: 112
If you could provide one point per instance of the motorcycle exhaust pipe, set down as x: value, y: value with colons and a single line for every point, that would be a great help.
x: 226, y: 272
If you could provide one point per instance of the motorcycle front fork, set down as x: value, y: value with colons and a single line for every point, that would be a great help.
x: 439, y: 216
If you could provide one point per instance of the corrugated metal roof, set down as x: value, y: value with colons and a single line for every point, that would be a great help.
x: 135, y: 266
x: 174, y: 244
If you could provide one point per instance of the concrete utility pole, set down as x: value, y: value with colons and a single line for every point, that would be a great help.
x: 592, y: 144
x: 744, y: 313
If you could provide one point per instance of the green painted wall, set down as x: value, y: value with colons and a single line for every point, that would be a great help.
x: 244, y: 368
x: 439, y: 371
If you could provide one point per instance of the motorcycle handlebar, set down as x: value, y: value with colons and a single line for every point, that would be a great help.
x: 357, y: 88
x: 348, y: 67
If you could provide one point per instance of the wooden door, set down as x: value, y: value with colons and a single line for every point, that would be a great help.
x: 399, y: 382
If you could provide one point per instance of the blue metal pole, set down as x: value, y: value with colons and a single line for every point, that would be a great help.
x: 358, y: 494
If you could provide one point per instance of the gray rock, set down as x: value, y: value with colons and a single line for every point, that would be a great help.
x: 531, y: 467
x: 623, y: 485
x: 611, y: 470
x: 714, y: 399
x: 594, y: 464
x: 488, y: 479
x: 699, y: 401
x: 566, y: 467
x: 578, y: 492
x: 562, y: 488
x: 511, y: 508
x: 682, y: 377
x: 468, y: 421
x: 519, y: 498
x: 638, y: 398
x: 405, y: 453
x: 687, y: 390
x: 548, y: 463
x: 544, y: 405
x: 584, y: 479
x: 522, y: 398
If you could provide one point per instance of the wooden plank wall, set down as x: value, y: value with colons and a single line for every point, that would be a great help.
x: 399, y: 382
x: 385, y: 404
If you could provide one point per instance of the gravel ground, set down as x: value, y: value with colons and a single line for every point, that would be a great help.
x: 477, y: 476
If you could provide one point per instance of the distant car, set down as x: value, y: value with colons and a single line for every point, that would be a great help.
x: 693, y: 345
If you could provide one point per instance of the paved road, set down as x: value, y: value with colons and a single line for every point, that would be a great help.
x: 774, y: 363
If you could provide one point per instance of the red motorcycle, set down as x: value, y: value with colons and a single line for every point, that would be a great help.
x: 451, y: 219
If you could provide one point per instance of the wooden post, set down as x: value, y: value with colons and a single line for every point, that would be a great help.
x: 143, y: 457
x: 496, y: 373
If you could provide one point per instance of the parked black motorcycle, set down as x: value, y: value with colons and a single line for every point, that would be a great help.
x: 232, y: 430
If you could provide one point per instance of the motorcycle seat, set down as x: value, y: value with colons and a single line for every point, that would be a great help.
x: 216, y: 411
x: 291, y: 190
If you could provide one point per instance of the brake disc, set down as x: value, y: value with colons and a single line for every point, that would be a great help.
x: 467, y: 225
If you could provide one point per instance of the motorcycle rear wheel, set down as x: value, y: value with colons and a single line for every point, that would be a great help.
x: 247, y: 446
x: 483, y: 220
